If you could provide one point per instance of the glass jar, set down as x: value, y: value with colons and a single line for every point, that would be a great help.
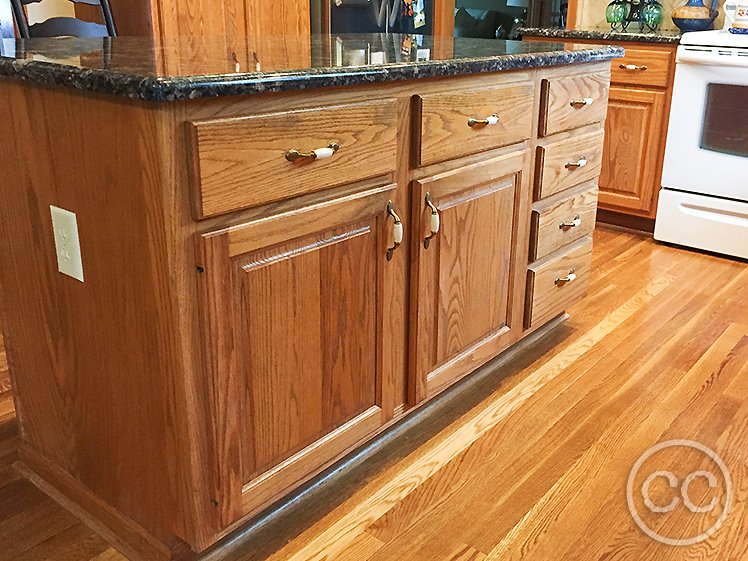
x: 617, y: 12
x: 652, y: 14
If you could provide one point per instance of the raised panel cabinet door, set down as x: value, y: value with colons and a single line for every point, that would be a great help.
x: 631, y: 154
x: 465, y: 250
x: 293, y: 319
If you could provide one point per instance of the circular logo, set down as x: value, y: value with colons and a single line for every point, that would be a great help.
x: 693, y: 487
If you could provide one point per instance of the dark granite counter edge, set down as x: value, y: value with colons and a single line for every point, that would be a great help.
x: 598, y: 35
x: 196, y: 87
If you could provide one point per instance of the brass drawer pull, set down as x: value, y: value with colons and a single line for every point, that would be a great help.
x: 581, y: 103
x: 573, y: 224
x: 434, y: 221
x: 490, y: 120
x: 318, y: 154
x: 580, y: 163
x: 632, y: 67
x: 568, y: 278
x: 397, y: 234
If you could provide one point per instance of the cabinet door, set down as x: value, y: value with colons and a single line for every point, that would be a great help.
x: 631, y: 155
x: 464, y: 300
x: 293, y: 312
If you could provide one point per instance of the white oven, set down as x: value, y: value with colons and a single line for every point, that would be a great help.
x: 704, y: 200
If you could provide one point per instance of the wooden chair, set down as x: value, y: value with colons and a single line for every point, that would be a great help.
x: 64, y: 26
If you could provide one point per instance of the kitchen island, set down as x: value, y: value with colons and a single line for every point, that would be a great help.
x: 221, y: 275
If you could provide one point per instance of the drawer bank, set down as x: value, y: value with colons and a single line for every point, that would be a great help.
x: 276, y: 265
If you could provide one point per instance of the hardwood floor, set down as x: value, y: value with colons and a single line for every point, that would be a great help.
x: 538, y: 469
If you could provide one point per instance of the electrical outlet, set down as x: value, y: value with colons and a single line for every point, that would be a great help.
x: 67, y: 244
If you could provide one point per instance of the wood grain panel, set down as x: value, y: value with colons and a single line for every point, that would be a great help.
x: 659, y: 64
x: 295, y: 329
x: 102, y: 392
x: 553, y: 174
x: 310, y: 340
x: 240, y: 162
x: 445, y: 132
x: 547, y: 235
x: 557, y: 111
x: 632, y: 154
x: 465, y: 283
x: 547, y: 298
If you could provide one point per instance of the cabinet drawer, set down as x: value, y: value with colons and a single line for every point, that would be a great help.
x: 556, y: 225
x: 547, y: 293
x: 242, y: 162
x: 566, y: 163
x: 642, y: 67
x: 451, y: 127
x: 569, y: 102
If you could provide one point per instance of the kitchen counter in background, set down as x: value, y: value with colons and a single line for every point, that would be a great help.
x: 191, y: 68
x: 604, y: 35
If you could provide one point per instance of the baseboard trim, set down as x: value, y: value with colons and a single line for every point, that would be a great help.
x: 124, y: 534
x: 627, y: 221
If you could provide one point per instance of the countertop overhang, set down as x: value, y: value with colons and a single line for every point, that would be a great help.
x: 197, y: 67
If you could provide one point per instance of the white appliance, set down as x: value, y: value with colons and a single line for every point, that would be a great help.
x: 704, y: 200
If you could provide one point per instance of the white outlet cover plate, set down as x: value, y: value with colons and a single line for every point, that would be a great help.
x: 67, y: 244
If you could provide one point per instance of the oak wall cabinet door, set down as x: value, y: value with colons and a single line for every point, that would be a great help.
x: 293, y: 320
x: 467, y: 260
x: 630, y: 172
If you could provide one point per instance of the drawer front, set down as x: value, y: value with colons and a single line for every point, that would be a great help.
x: 566, y: 163
x: 242, y: 162
x: 557, y: 225
x: 548, y: 294
x: 569, y: 102
x: 642, y: 67
x: 451, y: 121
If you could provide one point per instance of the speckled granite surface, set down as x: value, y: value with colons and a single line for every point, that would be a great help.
x: 667, y: 37
x: 191, y: 68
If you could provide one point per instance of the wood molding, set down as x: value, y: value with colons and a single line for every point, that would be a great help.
x: 444, y: 18
x: 124, y: 534
x: 624, y: 220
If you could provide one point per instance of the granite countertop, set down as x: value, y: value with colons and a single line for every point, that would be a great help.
x: 601, y: 34
x: 200, y: 67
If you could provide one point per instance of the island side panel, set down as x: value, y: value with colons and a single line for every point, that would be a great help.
x: 97, y: 365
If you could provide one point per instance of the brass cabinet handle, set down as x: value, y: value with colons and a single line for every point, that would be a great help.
x: 434, y: 221
x: 490, y: 120
x: 581, y: 103
x: 397, y: 230
x: 632, y: 67
x: 318, y: 154
x: 573, y: 224
x: 580, y: 163
x: 571, y: 276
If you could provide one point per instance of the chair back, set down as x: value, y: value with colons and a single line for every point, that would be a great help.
x: 64, y: 26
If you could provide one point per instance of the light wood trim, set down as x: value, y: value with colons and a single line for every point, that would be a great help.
x: 110, y: 523
x: 274, y: 229
x: 444, y: 18
x: 323, y: 452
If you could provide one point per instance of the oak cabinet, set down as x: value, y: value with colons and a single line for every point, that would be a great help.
x: 293, y: 319
x: 630, y: 173
x: 467, y: 265
x: 265, y: 315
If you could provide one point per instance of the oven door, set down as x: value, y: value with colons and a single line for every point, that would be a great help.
x: 707, y: 140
